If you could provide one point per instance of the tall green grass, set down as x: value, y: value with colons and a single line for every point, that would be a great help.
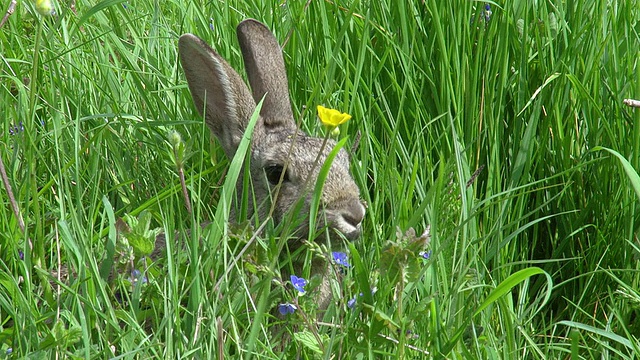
x: 488, y: 132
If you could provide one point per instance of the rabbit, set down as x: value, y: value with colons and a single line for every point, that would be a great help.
x: 222, y: 97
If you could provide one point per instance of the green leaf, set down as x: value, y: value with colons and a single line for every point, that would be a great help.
x: 628, y: 168
x: 97, y: 8
x: 308, y: 340
x: 513, y: 280
x: 391, y: 261
x: 502, y: 289
x: 381, y: 316
x: 538, y: 90
x: 604, y: 333
x: 107, y: 264
x: 141, y: 238
x: 322, y: 176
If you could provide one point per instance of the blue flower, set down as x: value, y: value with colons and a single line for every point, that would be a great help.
x: 487, y: 12
x: 341, y: 258
x: 21, y: 254
x: 298, y: 283
x: 351, y: 303
x: 287, y: 308
x: 137, y: 275
x: 426, y: 255
x: 15, y: 129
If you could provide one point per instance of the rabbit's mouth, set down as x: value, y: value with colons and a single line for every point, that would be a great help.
x: 351, y: 236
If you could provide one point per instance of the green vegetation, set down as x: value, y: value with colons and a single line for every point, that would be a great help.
x: 506, y: 136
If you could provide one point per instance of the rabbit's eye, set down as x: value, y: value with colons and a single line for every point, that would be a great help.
x: 274, y: 173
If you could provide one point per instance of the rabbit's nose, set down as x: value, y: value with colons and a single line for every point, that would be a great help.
x: 354, y: 213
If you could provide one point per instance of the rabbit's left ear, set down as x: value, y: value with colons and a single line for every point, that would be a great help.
x: 217, y: 90
x: 266, y: 72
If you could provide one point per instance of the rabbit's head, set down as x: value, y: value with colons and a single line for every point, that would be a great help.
x: 277, y: 145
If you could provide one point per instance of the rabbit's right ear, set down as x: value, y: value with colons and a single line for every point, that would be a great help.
x: 217, y: 90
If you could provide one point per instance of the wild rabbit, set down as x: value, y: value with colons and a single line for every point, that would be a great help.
x: 281, y: 155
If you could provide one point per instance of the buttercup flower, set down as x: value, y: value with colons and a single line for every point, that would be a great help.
x: 332, y: 117
x: 340, y: 258
x: 298, y: 283
x: 287, y: 308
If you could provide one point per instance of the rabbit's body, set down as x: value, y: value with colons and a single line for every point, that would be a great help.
x: 281, y: 155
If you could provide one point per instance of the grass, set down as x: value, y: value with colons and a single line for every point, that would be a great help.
x: 489, y: 133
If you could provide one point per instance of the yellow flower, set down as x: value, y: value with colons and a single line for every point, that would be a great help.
x: 332, y: 117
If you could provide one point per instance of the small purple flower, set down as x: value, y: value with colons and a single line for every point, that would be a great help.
x: 426, y: 255
x: 21, y: 254
x: 412, y: 335
x: 351, y: 303
x: 9, y: 351
x: 137, y: 275
x: 287, y: 308
x: 211, y: 25
x: 298, y: 283
x: 341, y: 258
x: 15, y: 129
x: 487, y: 12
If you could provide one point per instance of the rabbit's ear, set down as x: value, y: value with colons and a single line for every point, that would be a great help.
x: 266, y: 72
x: 218, y: 92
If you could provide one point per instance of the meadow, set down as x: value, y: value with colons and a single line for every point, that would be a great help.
x: 491, y: 145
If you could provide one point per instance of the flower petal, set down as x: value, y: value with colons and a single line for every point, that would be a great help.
x: 341, y: 258
x: 351, y: 303
x: 298, y: 283
x: 287, y: 308
x: 332, y: 117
